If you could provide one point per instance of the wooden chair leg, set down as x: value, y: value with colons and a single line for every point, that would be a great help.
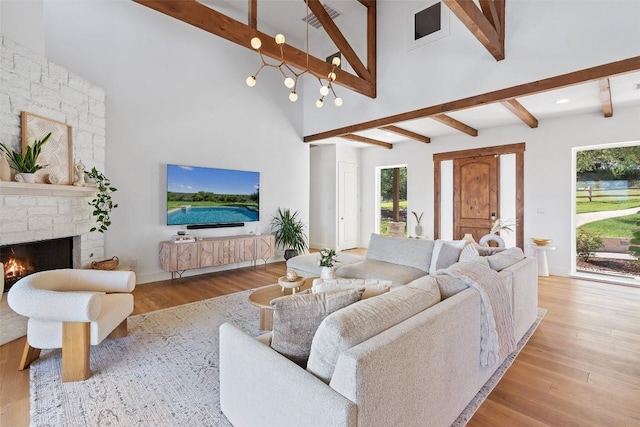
x: 76, y: 347
x: 29, y: 355
x: 120, y: 331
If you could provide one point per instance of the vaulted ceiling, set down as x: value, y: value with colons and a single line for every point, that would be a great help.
x: 601, y: 88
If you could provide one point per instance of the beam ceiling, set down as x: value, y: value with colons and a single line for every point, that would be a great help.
x: 596, y: 73
x: 214, y: 22
x: 486, y: 24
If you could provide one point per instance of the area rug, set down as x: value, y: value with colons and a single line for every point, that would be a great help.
x: 164, y: 373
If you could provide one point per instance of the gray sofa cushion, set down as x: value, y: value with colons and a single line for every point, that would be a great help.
x: 445, y: 254
x: 296, y: 319
x: 414, y: 253
x: 506, y: 258
x: 352, y: 325
x: 372, y: 269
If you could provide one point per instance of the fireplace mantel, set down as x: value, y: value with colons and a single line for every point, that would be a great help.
x: 24, y: 189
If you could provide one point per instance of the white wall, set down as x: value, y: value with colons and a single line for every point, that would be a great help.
x: 543, y: 39
x: 176, y: 94
x: 548, y: 177
x: 322, y: 203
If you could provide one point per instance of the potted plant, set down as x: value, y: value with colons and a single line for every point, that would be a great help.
x: 26, y: 164
x: 102, y: 203
x: 328, y: 260
x: 289, y: 232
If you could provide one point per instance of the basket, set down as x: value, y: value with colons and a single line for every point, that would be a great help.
x: 107, y: 264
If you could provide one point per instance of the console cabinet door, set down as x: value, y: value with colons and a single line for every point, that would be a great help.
x: 206, y: 254
x: 265, y: 246
x: 187, y: 254
x: 168, y: 257
x: 222, y: 252
x: 244, y: 249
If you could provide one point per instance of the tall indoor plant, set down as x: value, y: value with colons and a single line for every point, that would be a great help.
x: 289, y: 232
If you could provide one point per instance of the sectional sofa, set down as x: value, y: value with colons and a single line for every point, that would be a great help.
x: 414, y: 356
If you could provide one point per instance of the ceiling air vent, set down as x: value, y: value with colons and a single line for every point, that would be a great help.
x: 313, y: 21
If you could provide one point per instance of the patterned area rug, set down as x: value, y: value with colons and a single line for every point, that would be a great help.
x: 165, y: 373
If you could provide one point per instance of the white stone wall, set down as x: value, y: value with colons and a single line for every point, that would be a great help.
x: 29, y: 82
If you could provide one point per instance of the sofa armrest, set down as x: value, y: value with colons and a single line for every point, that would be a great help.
x: 43, y: 304
x: 258, y: 386
x: 524, y: 283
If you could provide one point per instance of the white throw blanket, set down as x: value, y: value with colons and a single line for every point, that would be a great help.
x: 497, y: 337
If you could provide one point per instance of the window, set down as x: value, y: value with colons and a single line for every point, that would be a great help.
x: 427, y: 24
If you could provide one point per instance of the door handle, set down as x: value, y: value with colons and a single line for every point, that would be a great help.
x: 493, y: 215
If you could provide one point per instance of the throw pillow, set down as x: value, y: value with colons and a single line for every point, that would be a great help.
x: 469, y: 251
x: 449, y: 285
x: 296, y: 318
x: 445, y: 254
x: 357, y: 323
x: 506, y: 258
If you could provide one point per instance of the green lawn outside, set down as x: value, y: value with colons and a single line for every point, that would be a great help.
x: 622, y: 226
x: 616, y: 200
x: 389, y: 205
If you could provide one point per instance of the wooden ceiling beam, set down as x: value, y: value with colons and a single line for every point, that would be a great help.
x: 364, y: 139
x: 522, y: 113
x: 605, y: 98
x: 367, y: 3
x: 409, y: 134
x: 214, y: 22
x: 253, y: 14
x: 476, y: 21
x: 338, y: 38
x: 457, y: 125
x: 538, y: 86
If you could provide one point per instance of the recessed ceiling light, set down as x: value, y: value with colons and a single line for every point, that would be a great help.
x: 562, y: 101
x: 637, y: 86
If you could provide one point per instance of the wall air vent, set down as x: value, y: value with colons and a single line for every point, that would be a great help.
x: 313, y: 21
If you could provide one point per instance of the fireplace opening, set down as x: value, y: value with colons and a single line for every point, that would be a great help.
x: 22, y: 259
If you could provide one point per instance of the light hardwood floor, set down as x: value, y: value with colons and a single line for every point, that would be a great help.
x: 581, y: 367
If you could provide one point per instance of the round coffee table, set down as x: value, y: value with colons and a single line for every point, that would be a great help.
x: 262, y: 297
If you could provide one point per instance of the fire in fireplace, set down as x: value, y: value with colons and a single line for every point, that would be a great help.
x: 23, y: 259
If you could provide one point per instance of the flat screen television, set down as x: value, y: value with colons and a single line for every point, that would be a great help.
x: 202, y: 197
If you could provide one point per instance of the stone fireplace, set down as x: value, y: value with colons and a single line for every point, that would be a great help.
x: 40, y: 212
x: 22, y: 259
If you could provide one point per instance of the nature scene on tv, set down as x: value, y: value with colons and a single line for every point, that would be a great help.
x: 198, y: 195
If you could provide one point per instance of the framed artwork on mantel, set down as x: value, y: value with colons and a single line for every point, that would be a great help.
x: 57, y: 152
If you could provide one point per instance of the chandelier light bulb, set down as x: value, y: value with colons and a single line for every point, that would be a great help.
x: 336, y: 61
x: 331, y: 76
x: 256, y: 43
x: 319, y: 103
x: 337, y: 101
x: 289, y: 82
x: 324, y: 91
x: 279, y: 39
x: 293, y: 96
x: 251, y: 81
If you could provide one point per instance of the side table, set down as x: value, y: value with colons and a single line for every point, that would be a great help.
x: 541, y: 254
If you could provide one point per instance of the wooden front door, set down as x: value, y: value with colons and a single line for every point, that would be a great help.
x: 475, y: 190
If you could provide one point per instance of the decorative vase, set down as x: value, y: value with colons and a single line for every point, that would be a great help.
x: 291, y: 275
x: 5, y: 169
x: 29, y: 178
x: 327, y: 273
x: 484, y: 240
x: 418, y: 230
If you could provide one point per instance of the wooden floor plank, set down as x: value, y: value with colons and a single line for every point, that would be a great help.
x: 580, y: 368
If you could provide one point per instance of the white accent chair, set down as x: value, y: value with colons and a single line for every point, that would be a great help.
x: 72, y: 309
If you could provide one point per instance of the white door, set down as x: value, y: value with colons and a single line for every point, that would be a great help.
x: 348, y: 205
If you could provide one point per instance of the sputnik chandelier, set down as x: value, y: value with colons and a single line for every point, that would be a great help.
x: 289, y: 74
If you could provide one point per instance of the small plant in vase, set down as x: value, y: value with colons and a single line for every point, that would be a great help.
x: 26, y: 164
x: 328, y: 259
x: 102, y: 203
